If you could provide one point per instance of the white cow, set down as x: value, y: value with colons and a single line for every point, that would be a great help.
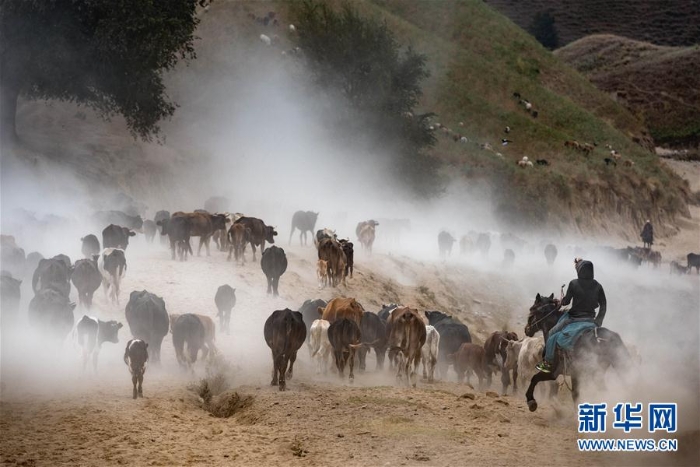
x: 530, y: 354
x: 319, y: 346
x: 112, y: 266
x: 429, y: 352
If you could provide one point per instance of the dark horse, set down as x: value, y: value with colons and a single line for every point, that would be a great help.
x: 595, y: 351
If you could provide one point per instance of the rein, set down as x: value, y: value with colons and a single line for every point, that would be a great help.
x: 557, y: 307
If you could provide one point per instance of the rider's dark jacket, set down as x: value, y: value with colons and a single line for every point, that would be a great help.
x: 587, y: 295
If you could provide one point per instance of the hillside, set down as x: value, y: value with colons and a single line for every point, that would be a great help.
x: 662, y: 22
x: 478, y: 60
x: 661, y: 85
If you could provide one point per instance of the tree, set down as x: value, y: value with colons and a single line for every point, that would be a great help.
x: 544, y: 30
x: 361, y: 60
x: 109, y: 55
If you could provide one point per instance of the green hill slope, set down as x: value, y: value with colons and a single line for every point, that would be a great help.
x: 479, y: 59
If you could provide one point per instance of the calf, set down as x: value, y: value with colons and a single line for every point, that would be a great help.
x: 345, y: 337
x: 238, y: 236
x: 406, y: 336
x: 187, y: 329
x: 319, y: 345
x: 86, y: 278
x: 284, y: 333
x: 430, y: 352
x: 511, y: 362
x: 470, y: 358
x: 92, y: 332
x: 225, y: 300
x: 529, y: 355
x: 90, y: 246
x: 273, y: 264
x: 496, y: 344
x: 322, y: 273
x: 373, y: 335
x: 112, y: 266
x: 136, y: 358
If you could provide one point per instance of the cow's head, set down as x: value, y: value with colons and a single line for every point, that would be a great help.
x: 270, y: 233
x: 218, y: 221
x: 108, y: 331
x: 435, y: 316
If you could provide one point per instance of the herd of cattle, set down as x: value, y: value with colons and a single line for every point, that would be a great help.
x: 340, y: 327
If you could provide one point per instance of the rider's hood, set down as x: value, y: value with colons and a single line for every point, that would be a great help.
x: 584, y: 269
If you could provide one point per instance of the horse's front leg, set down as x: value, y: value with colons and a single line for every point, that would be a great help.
x: 574, y: 389
x: 529, y: 394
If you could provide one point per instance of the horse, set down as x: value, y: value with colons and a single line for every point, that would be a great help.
x: 604, y: 346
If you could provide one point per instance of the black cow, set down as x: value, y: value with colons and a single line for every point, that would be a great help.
x: 86, y: 278
x: 274, y: 264
x: 92, y: 332
x: 550, y: 253
x: 188, y: 329
x: 225, y: 300
x: 136, y: 357
x: 149, y: 230
x: 445, y: 242
x: 158, y: 218
x: 51, y: 312
x: 9, y: 298
x: 259, y: 232
x: 452, y: 335
x: 349, y: 251
x: 148, y: 320
x: 91, y: 246
x: 52, y: 273
x: 284, y: 333
x: 119, y: 218
x: 373, y: 335
x: 345, y: 337
x: 693, y: 262
x: 386, y: 310
x: 178, y: 231
x: 116, y: 236
x: 309, y: 311
x: 305, y: 221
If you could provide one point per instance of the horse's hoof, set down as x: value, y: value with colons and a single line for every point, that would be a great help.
x: 532, y: 405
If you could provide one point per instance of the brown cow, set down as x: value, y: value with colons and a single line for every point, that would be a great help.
x: 332, y: 252
x: 365, y: 233
x: 497, y: 344
x: 406, y: 337
x: 209, y: 332
x: 342, y: 308
x: 203, y: 225
x: 238, y: 236
x: 470, y: 358
x: 259, y: 232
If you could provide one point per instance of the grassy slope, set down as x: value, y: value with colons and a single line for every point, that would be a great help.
x: 478, y: 59
x: 660, y: 84
x: 665, y: 22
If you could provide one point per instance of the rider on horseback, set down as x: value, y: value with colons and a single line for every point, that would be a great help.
x: 587, y: 295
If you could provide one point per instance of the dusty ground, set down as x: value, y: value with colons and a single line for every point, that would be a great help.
x: 51, y: 413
